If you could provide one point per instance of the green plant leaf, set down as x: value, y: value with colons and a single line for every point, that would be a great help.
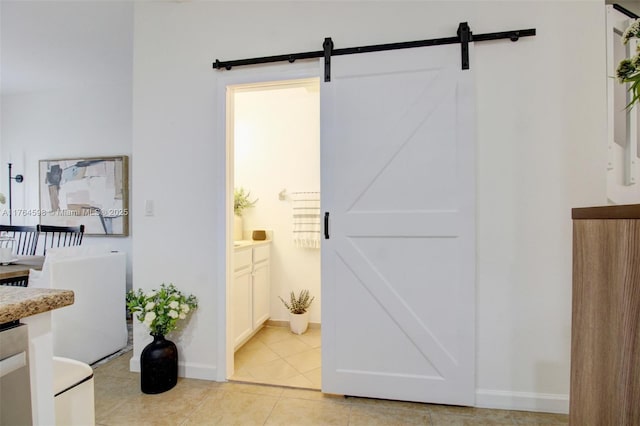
x: 298, y: 304
x: 241, y: 201
x: 160, y: 310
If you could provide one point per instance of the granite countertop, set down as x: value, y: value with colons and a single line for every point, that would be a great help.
x: 20, y: 302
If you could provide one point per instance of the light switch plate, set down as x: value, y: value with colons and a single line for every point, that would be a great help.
x: 148, y: 208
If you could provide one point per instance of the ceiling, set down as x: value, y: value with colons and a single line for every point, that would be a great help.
x: 49, y: 45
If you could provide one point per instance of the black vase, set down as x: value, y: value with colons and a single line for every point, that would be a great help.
x: 158, y: 365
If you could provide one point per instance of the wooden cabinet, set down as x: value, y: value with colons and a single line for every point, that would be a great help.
x: 605, y: 340
x: 251, y: 291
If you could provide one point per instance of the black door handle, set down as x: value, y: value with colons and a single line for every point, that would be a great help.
x: 326, y: 225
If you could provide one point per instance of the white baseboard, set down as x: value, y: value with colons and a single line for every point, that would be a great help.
x: 134, y: 364
x: 280, y: 323
x: 485, y: 398
x: 523, y: 401
x: 189, y: 370
x: 197, y: 371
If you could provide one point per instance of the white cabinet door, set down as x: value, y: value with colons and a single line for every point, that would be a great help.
x: 241, y: 302
x: 261, y: 293
x: 398, y: 272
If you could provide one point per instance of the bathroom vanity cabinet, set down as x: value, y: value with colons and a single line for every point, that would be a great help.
x: 251, y: 290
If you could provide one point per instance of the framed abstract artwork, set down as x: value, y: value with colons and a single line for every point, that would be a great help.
x: 93, y: 192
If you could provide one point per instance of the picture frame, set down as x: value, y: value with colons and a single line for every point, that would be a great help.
x: 89, y: 191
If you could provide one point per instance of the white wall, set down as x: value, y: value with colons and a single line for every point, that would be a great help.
x: 277, y: 146
x: 541, y: 133
x: 70, y: 96
x: 541, y: 113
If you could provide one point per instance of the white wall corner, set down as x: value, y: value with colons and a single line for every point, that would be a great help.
x: 134, y: 364
x: 522, y: 401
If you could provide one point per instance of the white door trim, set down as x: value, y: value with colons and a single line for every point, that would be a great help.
x: 223, y: 190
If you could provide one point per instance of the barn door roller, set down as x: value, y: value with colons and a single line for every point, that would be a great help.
x: 464, y: 34
x: 464, y: 37
x: 328, y: 48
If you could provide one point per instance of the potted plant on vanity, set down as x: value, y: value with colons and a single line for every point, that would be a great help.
x: 298, y: 311
x: 160, y: 310
x: 241, y: 202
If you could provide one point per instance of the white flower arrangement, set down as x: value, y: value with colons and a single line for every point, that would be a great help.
x: 161, y: 309
x: 628, y: 70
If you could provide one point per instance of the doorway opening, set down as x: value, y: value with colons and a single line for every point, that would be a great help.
x: 273, y: 156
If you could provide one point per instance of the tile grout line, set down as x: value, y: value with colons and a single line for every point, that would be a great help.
x: 350, y: 411
x: 270, y: 413
x: 309, y: 348
x: 273, y: 408
x: 282, y: 340
x: 198, y: 405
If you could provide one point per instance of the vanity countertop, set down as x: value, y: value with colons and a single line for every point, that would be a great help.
x: 20, y: 302
x: 240, y: 244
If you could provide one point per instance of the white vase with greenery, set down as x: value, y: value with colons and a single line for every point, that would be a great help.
x: 241, y: 202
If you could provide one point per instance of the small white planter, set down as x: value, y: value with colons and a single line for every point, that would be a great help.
x: 299, y: 322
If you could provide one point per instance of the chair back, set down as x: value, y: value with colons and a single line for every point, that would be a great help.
x: 61, y: 236
x: 26, y: 238
x: 15, y: 281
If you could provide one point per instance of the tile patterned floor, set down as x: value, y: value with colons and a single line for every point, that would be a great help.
x: 118, y: 401
x: 278, y: 357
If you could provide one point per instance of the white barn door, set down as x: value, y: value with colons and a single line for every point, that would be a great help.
x: 398, y: 271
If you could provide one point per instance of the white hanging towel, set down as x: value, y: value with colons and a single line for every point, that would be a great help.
x: 306, y: 219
